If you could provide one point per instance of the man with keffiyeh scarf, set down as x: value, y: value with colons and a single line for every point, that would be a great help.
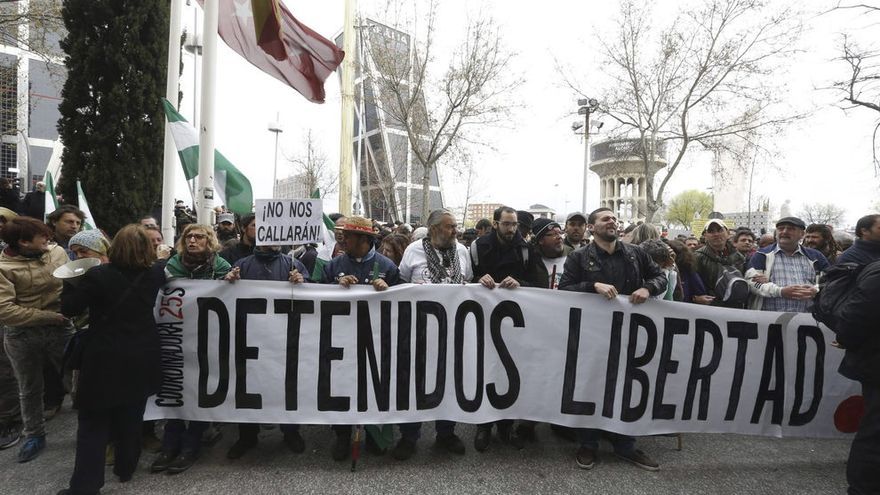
x: 435, y: 259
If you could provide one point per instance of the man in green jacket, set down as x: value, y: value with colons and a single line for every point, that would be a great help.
x: 715, y: 255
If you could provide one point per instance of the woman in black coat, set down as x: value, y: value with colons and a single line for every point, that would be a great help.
x: 117, y: 357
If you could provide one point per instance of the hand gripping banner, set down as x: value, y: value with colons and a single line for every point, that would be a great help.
x: 273, y: 352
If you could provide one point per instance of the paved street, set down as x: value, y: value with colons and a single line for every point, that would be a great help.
x: 716, y: 464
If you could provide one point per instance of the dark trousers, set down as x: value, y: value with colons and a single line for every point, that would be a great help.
x: 503, y: 424
x: 28, y: 350
x: 53, y: 387
x: 589, y: 438
x: 412, y: 431
x: 96, y: 427
x: 863, y: 465
x: 249, y: 431
x: 183, y: 436
x: 342, y: 430
x: 10, y: 406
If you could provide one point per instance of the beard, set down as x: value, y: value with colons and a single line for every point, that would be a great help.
x: 606, y: 235
x: 442, y: 242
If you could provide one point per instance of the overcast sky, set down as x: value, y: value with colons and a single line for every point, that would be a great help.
x: 536, y: 158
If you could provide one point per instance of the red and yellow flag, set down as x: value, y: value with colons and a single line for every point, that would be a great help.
x: 267, y: 25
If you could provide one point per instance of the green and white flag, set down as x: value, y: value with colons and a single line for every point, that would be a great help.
x: 88, y: 221
x: 325, y: 251
x: 51, y: 201
x: 233, y: 188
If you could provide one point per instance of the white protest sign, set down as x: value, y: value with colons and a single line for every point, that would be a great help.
x: 274, y: 352
x: 288, y: 221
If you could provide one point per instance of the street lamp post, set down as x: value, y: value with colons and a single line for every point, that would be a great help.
x: 276, y: 128
x: 586, y: 106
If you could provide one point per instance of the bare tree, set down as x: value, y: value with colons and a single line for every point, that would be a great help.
x: 822, y: 213
x: 35, y: 28
x: 441, y: 112
x: 312, y: 168
x: 706, y: 79
x: 861, y: 87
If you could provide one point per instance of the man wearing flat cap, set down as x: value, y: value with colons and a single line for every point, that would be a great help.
x: 783, y: 274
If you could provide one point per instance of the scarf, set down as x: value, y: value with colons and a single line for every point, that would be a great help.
x: 193, y: 262
x: 443, y: 271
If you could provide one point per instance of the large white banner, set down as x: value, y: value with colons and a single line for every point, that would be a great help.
x: 272, y: 352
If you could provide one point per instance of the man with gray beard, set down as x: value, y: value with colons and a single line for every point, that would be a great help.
x: 435, y: 259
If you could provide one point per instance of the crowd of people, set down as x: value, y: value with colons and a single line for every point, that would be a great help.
x: 94, y: 337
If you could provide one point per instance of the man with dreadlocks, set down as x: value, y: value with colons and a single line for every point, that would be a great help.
x: 435, y: 259
x: 820, y: 238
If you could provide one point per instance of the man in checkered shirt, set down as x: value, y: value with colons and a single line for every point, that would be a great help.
x: 783, y: 274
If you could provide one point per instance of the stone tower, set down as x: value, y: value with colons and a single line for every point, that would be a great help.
x: 622, y: 179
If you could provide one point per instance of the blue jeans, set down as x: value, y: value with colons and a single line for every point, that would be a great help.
x: 412, y: 431
x: 589, y: 438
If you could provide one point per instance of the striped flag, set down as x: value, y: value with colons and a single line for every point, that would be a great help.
x: 233, y: 188
x: 88, y: 222
x: 325, y: 250
x: 267, y: 24
x: 51, y: 200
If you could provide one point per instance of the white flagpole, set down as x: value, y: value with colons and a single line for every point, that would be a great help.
x: 170, y: 158
x: 347, y: 131
x: 205, y: 191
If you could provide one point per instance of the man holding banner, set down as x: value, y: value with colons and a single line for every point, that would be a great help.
x: 436, y: 259
x: 267, y: 263
x: 611, y: 268
x: 501, y: 258
x: 360, y: 265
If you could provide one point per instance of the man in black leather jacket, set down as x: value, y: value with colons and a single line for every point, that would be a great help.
x: 610, y: 267
x: 859, y: 332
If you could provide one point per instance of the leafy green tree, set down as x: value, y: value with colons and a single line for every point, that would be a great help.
x: 111, y: 121
x: 686, y: 205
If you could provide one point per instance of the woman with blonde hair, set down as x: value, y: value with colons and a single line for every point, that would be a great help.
x: 117, y: 358
x: 197, y: 258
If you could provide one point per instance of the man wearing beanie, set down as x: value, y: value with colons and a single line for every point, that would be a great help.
x: 90, y: 244
x: 546, y: 273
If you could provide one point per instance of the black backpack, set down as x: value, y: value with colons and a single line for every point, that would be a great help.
x: 836, y: 284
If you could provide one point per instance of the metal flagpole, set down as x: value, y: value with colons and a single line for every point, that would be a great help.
x: 170, y: 156
x: 347, y: 130
x: 205, y: 192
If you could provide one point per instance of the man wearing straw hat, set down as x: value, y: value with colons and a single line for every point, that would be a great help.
x: 360, y: 265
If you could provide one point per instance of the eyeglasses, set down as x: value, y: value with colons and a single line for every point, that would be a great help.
x: 508, y: 224
x: 197, y: 237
